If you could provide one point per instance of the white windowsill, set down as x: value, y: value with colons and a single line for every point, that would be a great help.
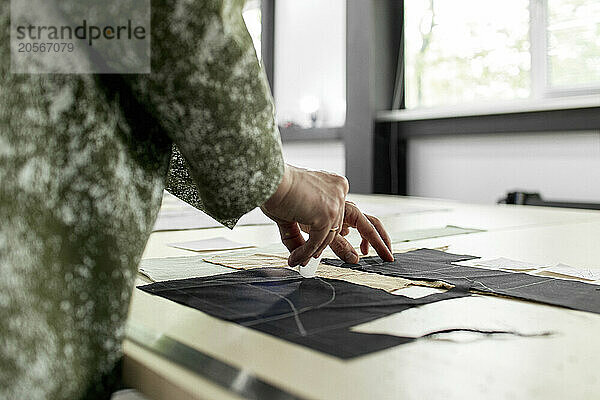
x: 508, y: 107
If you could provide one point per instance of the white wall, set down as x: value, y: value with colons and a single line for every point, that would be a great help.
x: 483, y: 168
x: 310, y: 60
x: 326, y: 155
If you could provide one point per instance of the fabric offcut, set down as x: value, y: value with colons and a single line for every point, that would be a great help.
x: 258, y: 260
x: 375, y: 281
x: 433, y: 265
x: 317, y: 313
x: 248, y: 261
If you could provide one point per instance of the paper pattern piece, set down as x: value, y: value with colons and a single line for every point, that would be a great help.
x: 387, y: 209
x: 162, y: 269
x: 213, y: 244
x: 572, y: 272
x: 419, y: 234
x: 317, y: 313
x: 507, y: 263
x: 433, y: 265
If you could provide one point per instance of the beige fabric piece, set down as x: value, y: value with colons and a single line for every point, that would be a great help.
x: 376, y: 281
x: 245, y: 261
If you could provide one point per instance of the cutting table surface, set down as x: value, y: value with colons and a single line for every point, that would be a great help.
x: 558, y: 366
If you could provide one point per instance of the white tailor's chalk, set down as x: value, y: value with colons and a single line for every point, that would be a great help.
x: 311, y: 268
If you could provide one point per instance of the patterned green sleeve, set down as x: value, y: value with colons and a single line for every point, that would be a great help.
x: 209, y: 92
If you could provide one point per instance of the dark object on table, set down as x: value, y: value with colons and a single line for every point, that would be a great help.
x: 535, y: 199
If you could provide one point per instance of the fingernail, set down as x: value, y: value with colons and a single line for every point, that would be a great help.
x: 298, y: 263
x: 351, y: 258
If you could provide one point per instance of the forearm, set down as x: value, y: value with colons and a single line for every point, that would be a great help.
x: 210, y: 94
x: 284, y: 187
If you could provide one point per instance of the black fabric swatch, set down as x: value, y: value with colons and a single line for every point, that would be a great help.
x: 317, y: 312
x: 433, y: 265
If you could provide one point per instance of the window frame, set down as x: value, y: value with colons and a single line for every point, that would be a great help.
x: 540, y: 86
x: 393, y: 128
x: 543, y: 100
x: 287, y: 134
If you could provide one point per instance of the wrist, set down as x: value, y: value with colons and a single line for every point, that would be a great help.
x: 282, y: 190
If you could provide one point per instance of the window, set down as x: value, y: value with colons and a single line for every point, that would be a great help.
x: 310, y: 63
x: 307, y: 53
x: 573, y: 37
x: 467, y: 51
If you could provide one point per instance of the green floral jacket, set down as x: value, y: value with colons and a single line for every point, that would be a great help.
x: 83, y: 165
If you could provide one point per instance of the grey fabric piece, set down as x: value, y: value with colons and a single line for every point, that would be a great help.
x: 434, y: 265
x: 83, y: 164
x: 318, y: 313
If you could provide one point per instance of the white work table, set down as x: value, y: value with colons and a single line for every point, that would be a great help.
x: 562, y: 365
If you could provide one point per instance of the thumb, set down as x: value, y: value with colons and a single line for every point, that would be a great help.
x: 302, y: 254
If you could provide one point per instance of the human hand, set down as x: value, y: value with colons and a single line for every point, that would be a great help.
x: 371, y: 231
x: 314, y: 201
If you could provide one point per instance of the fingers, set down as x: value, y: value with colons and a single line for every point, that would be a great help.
x: 345, y: 230
x: 316, y: 200
x: 333, y: 232
x: 302, y: 254
x: 370, y: 234
x: 344, y: 250
x: 318, y: 240
x: 334, y: 219
x: 330, y: 237
x: 364, y: 246
x: 370, y: 228
x: 381, y: 230
x: 290, y: 235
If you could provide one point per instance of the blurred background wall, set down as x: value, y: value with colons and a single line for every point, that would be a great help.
x: 394, y: 93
